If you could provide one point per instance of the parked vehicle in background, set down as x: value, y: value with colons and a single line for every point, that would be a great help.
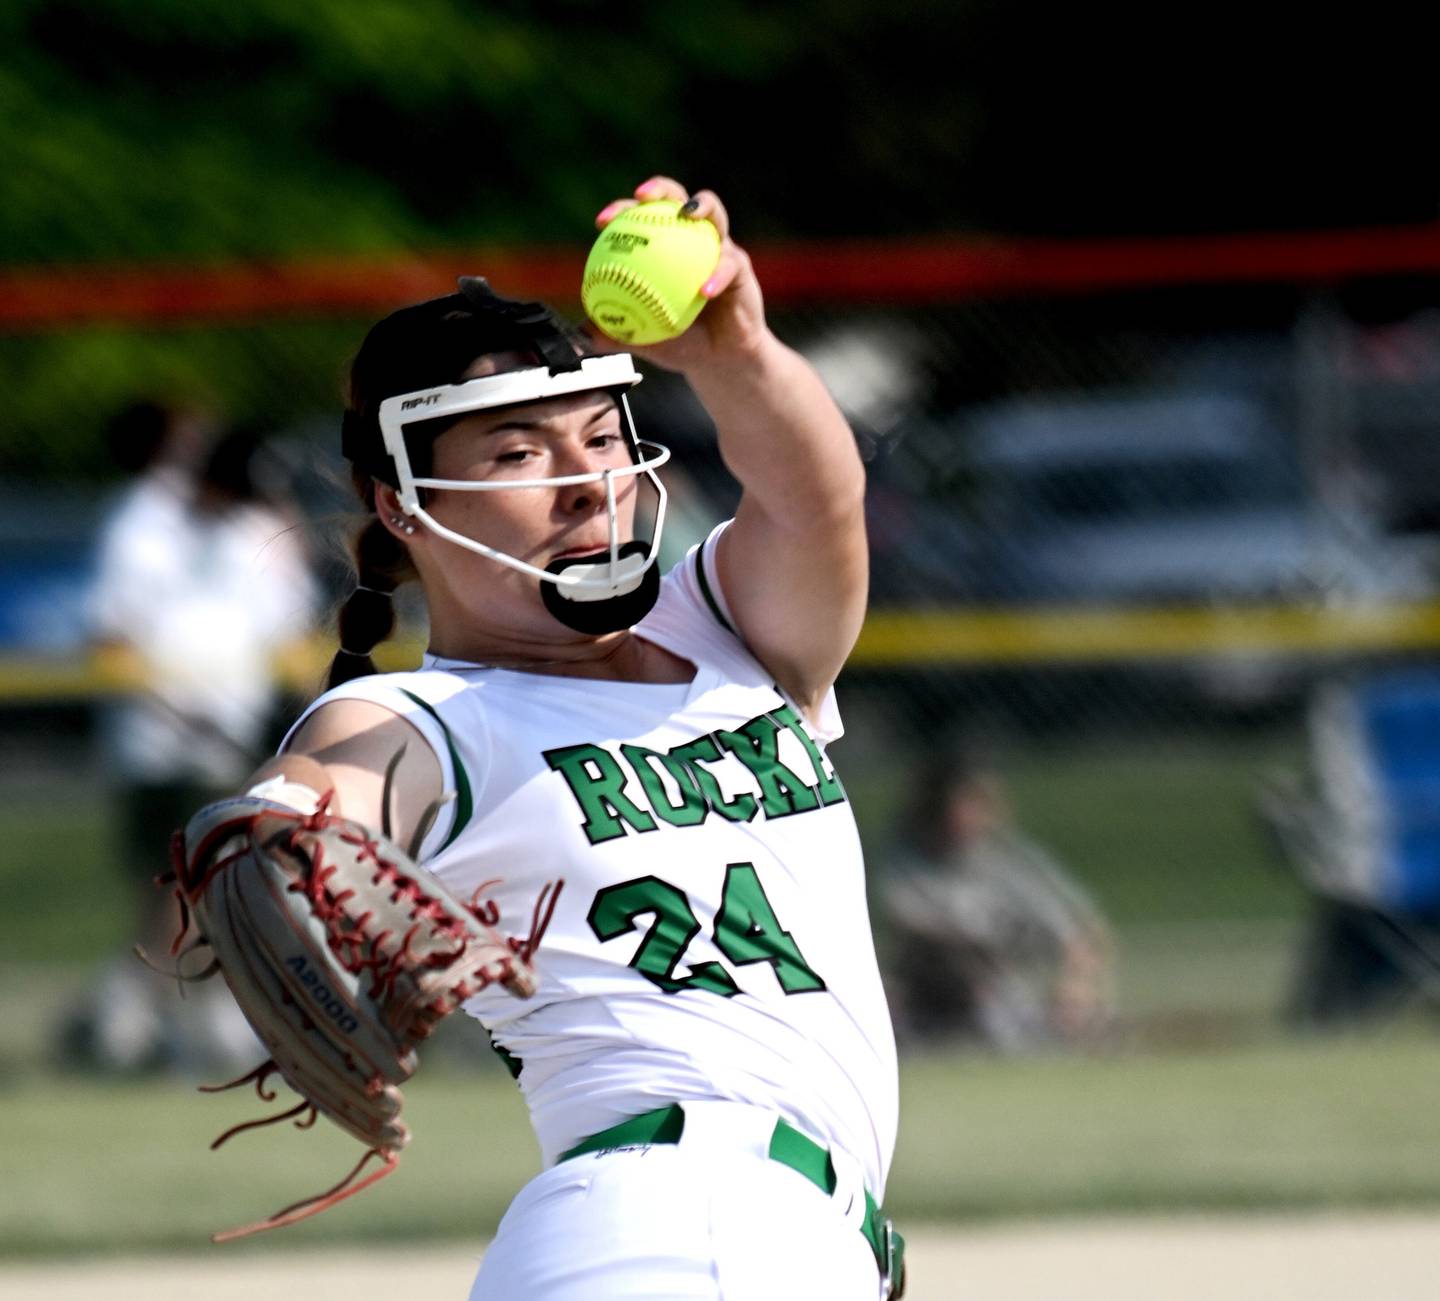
x: 1162, y: 499
x: 1153, y: 500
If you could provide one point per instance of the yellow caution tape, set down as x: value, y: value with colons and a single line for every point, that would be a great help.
x: 907, y: 639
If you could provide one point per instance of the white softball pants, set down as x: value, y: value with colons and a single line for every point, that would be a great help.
x: 710, y: 1218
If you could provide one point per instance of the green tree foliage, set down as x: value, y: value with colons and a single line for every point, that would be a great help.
x: 199, y: 130
x: 192, y: 130
x: 177, y: 129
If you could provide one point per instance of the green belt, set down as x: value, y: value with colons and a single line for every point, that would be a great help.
x: 789, y: 1147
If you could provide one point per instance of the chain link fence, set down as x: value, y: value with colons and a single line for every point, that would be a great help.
x: 1120, y: 539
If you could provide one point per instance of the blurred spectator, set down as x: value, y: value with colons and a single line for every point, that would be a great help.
x: 1360, y: 825
x: 202, y: 581
x: 993, y: 943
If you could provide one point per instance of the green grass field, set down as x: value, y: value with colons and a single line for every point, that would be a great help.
x: 1162, y: 831
x: 1161, y: 828
x: 1202, y: 1103
x: 109, y: 1167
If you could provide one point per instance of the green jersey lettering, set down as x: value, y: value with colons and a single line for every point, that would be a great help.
x: 614, y: 912
x: 691, y: 808
x: 757, y: 746
x: 597, y: 781
x: 747, y: 930
x: 828, y: 782
x: 704, y: 750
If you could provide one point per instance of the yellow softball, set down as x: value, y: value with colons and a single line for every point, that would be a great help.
x: 644, y: 274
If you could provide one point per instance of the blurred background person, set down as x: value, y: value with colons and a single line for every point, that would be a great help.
x: 1359, y: 825
x: 202, y: 582
x: 992, y: 942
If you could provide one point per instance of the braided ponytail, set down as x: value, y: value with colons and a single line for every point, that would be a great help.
x: 368, y: 615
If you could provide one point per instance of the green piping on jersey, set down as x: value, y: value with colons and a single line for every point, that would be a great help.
x: 710, y: 596
x: 464, y: 801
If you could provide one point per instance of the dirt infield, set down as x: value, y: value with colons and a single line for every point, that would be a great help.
x: 1274, y: 1258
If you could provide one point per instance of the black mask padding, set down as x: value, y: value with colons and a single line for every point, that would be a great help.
x: 613, y: 612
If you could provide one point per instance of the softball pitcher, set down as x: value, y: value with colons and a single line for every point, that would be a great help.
x: 708, y: 1062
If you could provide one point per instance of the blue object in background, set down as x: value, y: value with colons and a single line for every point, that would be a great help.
x: 43, y: 597
x: 1400, y: 714
x: 47, y: 557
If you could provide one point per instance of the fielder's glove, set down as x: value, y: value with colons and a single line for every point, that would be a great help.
x: 343, y: 954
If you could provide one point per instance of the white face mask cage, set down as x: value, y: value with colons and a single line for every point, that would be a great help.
x: 586, y: 581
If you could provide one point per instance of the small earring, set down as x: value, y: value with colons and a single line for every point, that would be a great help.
x: 404, y: 525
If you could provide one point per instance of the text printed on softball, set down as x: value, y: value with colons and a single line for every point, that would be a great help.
x: 624, y: 792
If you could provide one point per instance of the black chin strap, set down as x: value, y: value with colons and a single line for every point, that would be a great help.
x: 611, y: 613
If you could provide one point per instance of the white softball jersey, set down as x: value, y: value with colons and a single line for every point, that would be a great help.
x: 712, y: 940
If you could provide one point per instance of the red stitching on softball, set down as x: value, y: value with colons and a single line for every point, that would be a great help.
x: 625, y: 279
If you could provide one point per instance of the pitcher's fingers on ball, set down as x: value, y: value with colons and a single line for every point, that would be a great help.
x: 661, y: 187
x: 610, y: 211
x: 706, y: 205
x: 733, y: 260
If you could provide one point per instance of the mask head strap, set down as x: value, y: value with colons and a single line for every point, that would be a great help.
x: 534, y: 323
